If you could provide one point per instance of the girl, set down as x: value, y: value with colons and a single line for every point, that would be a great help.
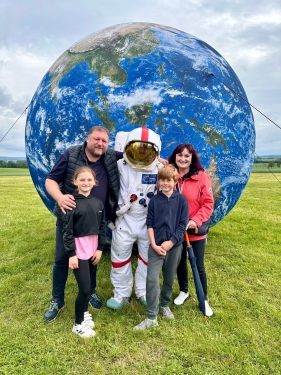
x: 84, y: 239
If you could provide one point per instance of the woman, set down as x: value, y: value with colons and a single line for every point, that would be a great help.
x: 195, y: 185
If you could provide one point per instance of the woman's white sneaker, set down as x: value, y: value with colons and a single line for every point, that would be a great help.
x: 208, y: 310
x: 181, y: 298
x: 83, y: 330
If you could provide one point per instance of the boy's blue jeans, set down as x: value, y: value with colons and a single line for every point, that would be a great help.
x: 168, y: 264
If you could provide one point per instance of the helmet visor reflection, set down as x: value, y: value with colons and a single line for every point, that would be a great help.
x: 141, y: 154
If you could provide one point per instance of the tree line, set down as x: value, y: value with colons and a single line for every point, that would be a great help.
x: 23, y: 163
x: 13, y: 164
x: 269, y: 162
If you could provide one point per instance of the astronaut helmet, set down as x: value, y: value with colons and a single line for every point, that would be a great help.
x: 142, y: 148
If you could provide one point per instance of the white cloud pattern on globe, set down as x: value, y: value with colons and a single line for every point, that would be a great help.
x: 142, y: 74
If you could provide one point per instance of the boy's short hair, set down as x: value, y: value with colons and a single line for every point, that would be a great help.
x: 168, y: 171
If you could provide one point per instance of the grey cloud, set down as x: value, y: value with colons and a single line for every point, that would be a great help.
x: 5, y: 97
x: 14, y: 107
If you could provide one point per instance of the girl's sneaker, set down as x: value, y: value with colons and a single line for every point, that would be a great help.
x: 88, y: 319
x: 83, y: 330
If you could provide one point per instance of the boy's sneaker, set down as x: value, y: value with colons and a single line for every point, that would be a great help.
x: 83, y: 330
x: 88, y: 319
x: 167, y: 313
x: 181, y: 298
x: 115, y: 305
x: 95, y: 301
x: 147, y: 323
x: 142, y: 301
x: 208, y: 310
x: 53, y: 311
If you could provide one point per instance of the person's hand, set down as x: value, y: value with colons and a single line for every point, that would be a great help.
x: 163, y: 161
x: 159, y: 250
x: 73, y: 262
x: 167, y: 245
x: 96, y: 257
x: 191, y: 225
x: 66, y: 202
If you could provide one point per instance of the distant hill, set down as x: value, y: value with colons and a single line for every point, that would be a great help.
x: 7, y: 158
x: 269, y: 156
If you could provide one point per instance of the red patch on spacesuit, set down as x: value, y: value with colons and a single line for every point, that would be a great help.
x: 133, y: 198
x: 144, y: 134
x: 121, y: 264
x: 140, y: 258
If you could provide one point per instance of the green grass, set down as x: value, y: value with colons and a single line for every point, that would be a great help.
x: 243, y: 263
x: 262, y: 168
x: 14, y: 172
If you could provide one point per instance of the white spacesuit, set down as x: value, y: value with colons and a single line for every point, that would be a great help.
x: 138, y: 176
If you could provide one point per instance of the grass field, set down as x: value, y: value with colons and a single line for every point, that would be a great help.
x: 262, y: 168
x: 243, y: 263
x: 14, y: 172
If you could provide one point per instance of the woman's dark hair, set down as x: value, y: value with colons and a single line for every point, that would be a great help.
x: 195, y: 165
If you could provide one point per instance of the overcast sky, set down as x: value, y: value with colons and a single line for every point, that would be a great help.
x: 247, y: 33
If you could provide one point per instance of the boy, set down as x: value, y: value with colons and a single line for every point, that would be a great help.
x: 166, y: 222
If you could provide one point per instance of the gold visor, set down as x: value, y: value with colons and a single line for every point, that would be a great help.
x: 141, y: 154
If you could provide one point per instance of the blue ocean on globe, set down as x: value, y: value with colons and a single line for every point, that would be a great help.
x: 148, y: 75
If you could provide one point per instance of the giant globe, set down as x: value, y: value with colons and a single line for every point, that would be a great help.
x: 145, y: 75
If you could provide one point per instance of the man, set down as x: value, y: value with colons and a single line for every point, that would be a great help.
x: 95, y: 154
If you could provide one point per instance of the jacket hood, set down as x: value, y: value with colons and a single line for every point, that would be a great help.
x: 174, y: 194
x: 81, y: 196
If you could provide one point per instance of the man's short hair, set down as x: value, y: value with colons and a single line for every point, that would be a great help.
x: 99, y: 129
x: 168, y: 171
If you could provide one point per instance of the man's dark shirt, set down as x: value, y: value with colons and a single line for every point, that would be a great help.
x: 59, y: 171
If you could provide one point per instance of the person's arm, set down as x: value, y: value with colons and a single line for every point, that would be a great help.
x: 73, y: 262
x: 96, y: 257
x: 180, y: 227
x: 65, y: 201
x: 159, y: 250
x: 101, y: 240
x: 68, y: 239
x: 206, y: 201
x: 167, y: 245
x: 163, y: 161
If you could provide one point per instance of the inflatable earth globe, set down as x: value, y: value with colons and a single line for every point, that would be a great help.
x: 145, y: 75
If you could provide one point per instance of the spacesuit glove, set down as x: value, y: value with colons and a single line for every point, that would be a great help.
x: 111, y: 225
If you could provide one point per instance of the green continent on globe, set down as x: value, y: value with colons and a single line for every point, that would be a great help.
x: 212, y: 172
x: 104, y: 51
x: 104, y: 116
x: 214, y: 137
x: 139, y: 114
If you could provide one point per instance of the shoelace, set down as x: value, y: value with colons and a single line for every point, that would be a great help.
x: 53, y: 306
x: 166, y: 311
x: 96, y: 297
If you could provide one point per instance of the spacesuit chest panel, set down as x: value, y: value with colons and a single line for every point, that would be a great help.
x: 137, y: 185
x: 149, y: 178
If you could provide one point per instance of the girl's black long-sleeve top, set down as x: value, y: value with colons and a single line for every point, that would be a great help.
x: 87, y: 218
